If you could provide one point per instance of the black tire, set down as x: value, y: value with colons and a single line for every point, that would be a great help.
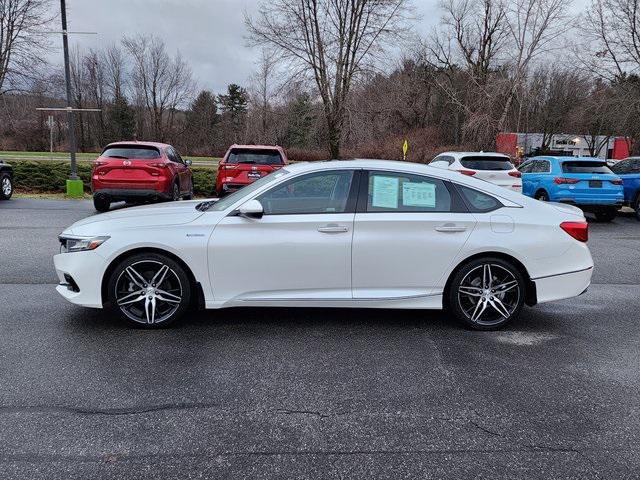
x: 636, y: 206
x: 478, y: 306
x: 606, y: 215
x: 101, y: 203
x: 542, y: 196
x: 189, y: 196
x: 175, y: 192
x: 143, y: 304
x: 6, y: 187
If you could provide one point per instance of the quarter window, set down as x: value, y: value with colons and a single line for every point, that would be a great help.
x: 322, y: 192
x: 478, y: 202
x: 403, y: 192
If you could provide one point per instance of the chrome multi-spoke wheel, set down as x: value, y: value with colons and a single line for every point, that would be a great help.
x: 6, y: 187
x: 487, y: 293
x: 150, y: 290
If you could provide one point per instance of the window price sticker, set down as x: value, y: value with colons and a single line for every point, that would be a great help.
x: 419, y: 194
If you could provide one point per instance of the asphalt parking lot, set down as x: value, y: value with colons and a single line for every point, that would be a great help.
x: 314, y: 393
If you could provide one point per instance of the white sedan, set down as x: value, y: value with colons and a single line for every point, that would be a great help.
x: 359, y: 233
x: 492, y: 167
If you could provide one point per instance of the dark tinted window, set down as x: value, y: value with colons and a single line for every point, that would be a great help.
x: 322, y: 192
x: 257, y: 157
x: 526, y: 167
x: 135, y: 152
x: 541, y: 166
x: 626, y: 166
x: 478, y: 201
x: 486, y: 163
x: 443, y: 158
x: 403, y: 192
x: 577, y: 166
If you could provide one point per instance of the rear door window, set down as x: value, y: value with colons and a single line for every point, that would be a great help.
x: 404, y: 192
x: 137, y: 152
x: 477, y: 201
x: 255, y: 157
x: 487, y: 163
x: 577, y: 166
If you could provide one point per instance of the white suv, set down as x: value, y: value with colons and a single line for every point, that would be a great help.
x: 492, y: 167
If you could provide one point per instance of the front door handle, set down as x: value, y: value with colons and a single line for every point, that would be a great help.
x: 450, y: 228
x: 333, y: 228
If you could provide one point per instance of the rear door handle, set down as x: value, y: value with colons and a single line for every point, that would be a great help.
x: 332, y: 228
x: 451, y: 228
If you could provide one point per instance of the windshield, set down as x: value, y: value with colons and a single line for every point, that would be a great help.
x: 256, y: 157
x: 138, y: 152
x: 585, y: 167
x: 487, y: 163
x: 229, y: 200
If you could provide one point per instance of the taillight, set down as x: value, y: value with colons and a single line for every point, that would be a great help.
x: 515, y: 173
x: 469, y: 173
x: 159, y: 165
x: 578, y: 230
x: 616, y: 181
x: 99, y: 163
x: 226, y: 166
x: 565, y: 181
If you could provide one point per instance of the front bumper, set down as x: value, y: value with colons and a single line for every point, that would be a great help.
x: 566, y: 285
x: 86, y: 269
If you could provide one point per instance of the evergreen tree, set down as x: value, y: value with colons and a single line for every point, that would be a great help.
x: 121, y: 119
x: 202, y: 117
x: 234, y: 106
x: 301, y: 122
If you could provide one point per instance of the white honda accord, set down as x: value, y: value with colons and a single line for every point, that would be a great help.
x: 358, y: 233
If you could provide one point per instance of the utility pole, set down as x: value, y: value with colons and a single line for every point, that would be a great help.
x: 73, y: 183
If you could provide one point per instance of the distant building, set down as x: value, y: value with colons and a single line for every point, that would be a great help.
x: 529, y: 144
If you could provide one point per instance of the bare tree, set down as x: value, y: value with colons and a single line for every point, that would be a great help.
x: 263, y: 90
x: 332, y: 40
x: 22, y: 40
x: 162, y: 83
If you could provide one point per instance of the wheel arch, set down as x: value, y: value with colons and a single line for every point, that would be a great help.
x: 541, y: 190
x: 530, y: 286
x: 197, y: 298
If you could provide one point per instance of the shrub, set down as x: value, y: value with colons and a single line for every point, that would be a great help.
x: 51, y: 177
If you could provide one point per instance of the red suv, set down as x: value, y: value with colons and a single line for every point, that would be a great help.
x: 243, y: 164
x: 139, y: 171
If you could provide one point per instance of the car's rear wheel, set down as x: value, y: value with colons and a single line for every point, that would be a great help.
x: 189, y: 196
x: 542, y: 196
x: 149, y: 290
x: 486, y: 293
x: 175, y: 192
x: 6, y: 187
x: 636, y: 206
x: 606, y: 215
x: 101, y: 203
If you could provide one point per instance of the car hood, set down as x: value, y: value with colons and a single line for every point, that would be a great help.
x: 170, y: 213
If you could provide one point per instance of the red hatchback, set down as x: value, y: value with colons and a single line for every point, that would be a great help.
x: 139, y: 171
x: 243, y: 164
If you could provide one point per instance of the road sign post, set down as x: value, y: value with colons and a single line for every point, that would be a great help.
x: 405, y: 149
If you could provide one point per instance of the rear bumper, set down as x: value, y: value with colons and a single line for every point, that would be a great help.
x: 591, y: 203
x: 132, y: 194
x: 566, y: 285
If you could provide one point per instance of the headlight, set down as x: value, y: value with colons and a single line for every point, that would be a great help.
x: 80, y: 244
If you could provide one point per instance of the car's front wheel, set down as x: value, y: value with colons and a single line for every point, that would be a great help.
x: 636, y: 206
x: 149, y: 290
x: 6, y: 187
x: 486, y: 293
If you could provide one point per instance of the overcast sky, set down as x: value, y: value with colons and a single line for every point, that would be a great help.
x: 209, y: 33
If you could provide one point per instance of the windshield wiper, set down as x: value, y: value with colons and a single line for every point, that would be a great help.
x: 204, y: 206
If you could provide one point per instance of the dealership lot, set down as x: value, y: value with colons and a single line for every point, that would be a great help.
x: 314, y: 393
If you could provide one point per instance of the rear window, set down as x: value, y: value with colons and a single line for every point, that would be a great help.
x: 138, y: 152
x: 256, y: 157
x: 487, y: 163
x: 576, y: 166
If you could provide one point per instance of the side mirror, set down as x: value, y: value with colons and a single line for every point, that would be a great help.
x: 251, y: 209
x: 188, y: 162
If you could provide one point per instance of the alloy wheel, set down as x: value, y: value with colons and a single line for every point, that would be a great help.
x: 7, y: 188
x: 489, y: 294
x: 148, y: 292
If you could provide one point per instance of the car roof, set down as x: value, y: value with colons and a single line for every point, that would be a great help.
x: 158, y: 145
x: 475, y: 154
x: 257, y: 147
x: 567, y: 159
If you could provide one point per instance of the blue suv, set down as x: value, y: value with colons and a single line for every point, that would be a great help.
x: 629, y: 171
x: 585, y: 182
